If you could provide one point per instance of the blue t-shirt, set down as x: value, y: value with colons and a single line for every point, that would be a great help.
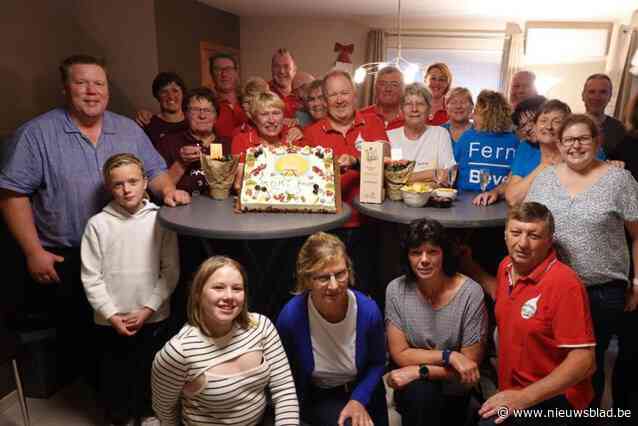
x: 477, y: 150
x: 447, y: 126
x: 528, y: 157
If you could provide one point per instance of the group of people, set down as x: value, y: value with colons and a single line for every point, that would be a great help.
x: 74, y: 185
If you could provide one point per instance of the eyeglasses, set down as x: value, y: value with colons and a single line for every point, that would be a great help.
x: 340, y: 277
x: 219, y: 70
x: 393, y: 84
x: 584, y: 140
x: 197, y: 111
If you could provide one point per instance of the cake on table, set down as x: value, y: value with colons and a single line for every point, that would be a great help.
x: 289, y: 179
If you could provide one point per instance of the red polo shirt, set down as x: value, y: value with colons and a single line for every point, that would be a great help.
x: 229, y: 117
x: 395, y: 123
x: 364, y: 128
x: 540, y: 318
x: 293, y: 103
x: 440, y: 117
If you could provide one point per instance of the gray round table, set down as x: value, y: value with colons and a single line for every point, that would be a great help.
x: 462, y: 214
x: 208, y: 218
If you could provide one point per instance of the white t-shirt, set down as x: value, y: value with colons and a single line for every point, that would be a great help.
x: 433, y: 150
x: 333, y: 346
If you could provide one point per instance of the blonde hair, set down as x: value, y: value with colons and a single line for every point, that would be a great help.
x: 119, y: 160
x: 494, y: 111
x: 319, y: 250
x: 459, y: 91
x: 445, y: 70
x: 205, y: 271
x: 253, y: 87
x: 265, y: 100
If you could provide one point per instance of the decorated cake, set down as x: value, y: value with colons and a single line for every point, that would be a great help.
x: 289, y: 179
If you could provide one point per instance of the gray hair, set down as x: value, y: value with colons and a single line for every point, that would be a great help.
x: 417, y: 89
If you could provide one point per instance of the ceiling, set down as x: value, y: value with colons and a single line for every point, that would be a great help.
x: 505, y: 10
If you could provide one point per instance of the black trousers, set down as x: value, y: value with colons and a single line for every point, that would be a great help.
x: 322, y: 407
x: 422, y: 403
x: 125, y: 370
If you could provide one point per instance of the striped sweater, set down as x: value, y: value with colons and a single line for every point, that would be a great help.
x: 237, y: 399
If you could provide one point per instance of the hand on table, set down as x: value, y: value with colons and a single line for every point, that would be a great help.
x: 357, y: 413
x: 485, y: 198
x: 41, y: 266
x: 176, y: 197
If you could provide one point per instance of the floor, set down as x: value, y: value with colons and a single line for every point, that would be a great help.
x: 75, y: 405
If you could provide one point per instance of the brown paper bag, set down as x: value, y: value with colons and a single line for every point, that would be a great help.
x: 395, y: 178
x: 220, y: 175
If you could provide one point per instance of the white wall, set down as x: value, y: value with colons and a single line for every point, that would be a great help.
x: 311, y: 42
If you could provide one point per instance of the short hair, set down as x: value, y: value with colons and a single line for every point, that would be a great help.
x: 163, y: 79
x: 119, y: 160
x: 553, y: 105
x: 432, y: 232
x: 495, y: 112
x: 221, y: 55
x: 266, y: 100
x: 532, y: 211
x: 417, y: 89
x: 574, y: 119
x: 67, y: 63
x: 319, y: 250
x: 532, y: 104
x: 527, y: 73
x: 254, y: 86
x: 205, y: 271
x: 282, y: 51
x: 337, y: 73
x: 389, y: 69
x: 459, y: 91
x: 314, y: 85
x: 632, y: 115
x: 599, y: 76
x: 200, y: 93
x: 445, y: 70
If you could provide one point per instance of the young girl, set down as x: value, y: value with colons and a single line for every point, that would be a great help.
x: 129, y: 270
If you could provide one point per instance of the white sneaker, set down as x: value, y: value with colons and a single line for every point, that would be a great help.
x: 150, y: 421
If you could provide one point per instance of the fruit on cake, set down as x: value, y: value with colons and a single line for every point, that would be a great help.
x: 289, y: 179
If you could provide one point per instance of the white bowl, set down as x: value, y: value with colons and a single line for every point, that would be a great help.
x: 448, y: 193
x: 415, y: 199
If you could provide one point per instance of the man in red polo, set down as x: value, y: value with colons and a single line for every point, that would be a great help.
x: 545, y: 334
x: 388, y: 89
x: 230, y: 115
x: 283, y: 71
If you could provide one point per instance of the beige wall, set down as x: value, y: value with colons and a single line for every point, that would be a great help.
x: 31, y: 53
x: 310, y: 40
x: 181, y: 25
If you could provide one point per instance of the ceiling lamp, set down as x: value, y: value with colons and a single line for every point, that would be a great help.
x: 409, y: 70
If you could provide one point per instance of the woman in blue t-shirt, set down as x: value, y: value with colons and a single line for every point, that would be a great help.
x: 489, y: 147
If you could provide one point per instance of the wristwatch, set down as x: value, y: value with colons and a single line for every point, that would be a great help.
x: 424, y: 372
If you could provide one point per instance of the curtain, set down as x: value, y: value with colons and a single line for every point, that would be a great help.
x: 624, y: 88
x: 512, y: 59
x: 375, y: 52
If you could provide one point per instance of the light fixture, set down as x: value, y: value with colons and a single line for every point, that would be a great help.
x: 409, y: 70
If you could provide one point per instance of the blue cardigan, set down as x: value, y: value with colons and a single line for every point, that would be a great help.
x: 370, y: 354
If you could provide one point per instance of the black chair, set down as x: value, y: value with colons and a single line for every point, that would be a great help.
x: 9, y: 345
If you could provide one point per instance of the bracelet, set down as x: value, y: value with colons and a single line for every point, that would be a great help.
x: 445, y: 355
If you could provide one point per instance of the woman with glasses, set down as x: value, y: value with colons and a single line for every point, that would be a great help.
x: 459, y: 105
x: 429, y: 146
x: 334, y: 339
x: 181, y: 150
x: 436, y: 324
x: 438, y: 79
x: 593, y: 203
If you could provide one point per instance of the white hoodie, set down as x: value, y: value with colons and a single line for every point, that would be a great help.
x: 128, y: 262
